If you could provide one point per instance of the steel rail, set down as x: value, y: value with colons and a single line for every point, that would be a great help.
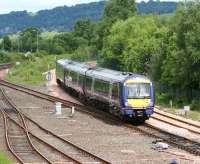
x: 53, y: 134
x: 176, y: 125
x: 177, y: 119
x: 5, y: 65
x: 39, y: 94
x: 114, y: 119
x: 44, y: 142
x: 7, y: 138
x: 25, y: 131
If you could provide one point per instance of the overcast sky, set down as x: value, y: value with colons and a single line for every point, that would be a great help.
x: 7, y: 6
x: 34, y: 5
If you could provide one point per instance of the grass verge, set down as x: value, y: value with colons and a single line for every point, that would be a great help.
x: 30, y: 71
x: 3, y: 159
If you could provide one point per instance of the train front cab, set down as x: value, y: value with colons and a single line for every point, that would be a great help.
x: 138, y: 98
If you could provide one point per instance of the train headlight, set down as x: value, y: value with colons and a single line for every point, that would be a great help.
x: 127, y: 104
x: 151, y: 103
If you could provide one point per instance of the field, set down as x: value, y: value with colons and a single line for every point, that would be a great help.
x: 31, y: 71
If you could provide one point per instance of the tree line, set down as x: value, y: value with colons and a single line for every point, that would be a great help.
x: 165, y: 48
x: 63, y: 18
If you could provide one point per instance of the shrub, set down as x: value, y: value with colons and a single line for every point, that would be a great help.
x: 163, y: 98
x: 195, y: 105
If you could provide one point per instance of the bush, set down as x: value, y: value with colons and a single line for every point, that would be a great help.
x: 163, y: 98
x: 4, y: 57
x: 41, y: 53
x: 84, y: 54
x: 195, y: 105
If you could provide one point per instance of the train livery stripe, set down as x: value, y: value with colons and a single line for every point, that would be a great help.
x: 137, y: 81
x: 139, y: 103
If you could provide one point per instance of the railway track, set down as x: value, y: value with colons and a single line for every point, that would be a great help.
x: 39, y: 94
x: 170, y: 119
x: 28, y: 147
x: 180, y: 142
x: 5, y: 65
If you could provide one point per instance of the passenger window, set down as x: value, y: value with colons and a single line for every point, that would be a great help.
x: 101, y: 87
x: 88, y: 83
x: 74, y: 76
x: 81, y: 80
x: 115, y: 91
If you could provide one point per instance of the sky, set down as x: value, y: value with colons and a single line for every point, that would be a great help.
x: 7, y: 6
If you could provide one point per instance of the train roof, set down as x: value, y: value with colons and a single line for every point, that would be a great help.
x: 98, y: 72
x: 74, y: 66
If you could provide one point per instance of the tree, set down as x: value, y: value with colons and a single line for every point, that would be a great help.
x: 85, y: 29
x: 4, y: 57
x: 131, y: 45
x: 114, y: 10
x: 7, y: 44
x: 181, y: 69
x: 29, y: 39
x: 119, y: 9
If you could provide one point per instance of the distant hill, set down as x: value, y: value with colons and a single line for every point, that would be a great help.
x: 63, y: 18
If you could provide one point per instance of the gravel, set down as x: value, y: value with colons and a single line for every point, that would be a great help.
x: 108, y: 140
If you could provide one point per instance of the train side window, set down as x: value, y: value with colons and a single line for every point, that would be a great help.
x: 66, y: 72
x: 81, y: 80
x: 88, y: 83
x: 115, y: 91
x: 101, y: 87
x: 73, y: 76
x: 59, y: 71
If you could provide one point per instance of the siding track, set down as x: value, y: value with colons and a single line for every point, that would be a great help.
x: 22, y: 142
x: 145, y: 129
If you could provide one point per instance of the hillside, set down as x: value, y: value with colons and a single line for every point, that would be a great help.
x: 63, y: 18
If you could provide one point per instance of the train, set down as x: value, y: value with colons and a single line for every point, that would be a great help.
x: 124, y: 94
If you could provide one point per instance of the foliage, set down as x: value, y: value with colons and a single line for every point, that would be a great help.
x: 3, y: 159
x: 85, y: 29
x: 7, y: 44
x: 131, y: 44
x: 29, y: 39
x: 156, y: 7
x: 195, y: 105
x: 64, y: 18
x: 119, y: 9
x: 181, y: 68
x: 4, y: 57
x: 84, y: 54
x: 30, y: 71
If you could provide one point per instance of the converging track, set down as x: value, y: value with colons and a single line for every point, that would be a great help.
x: 146, y: 129
x: 170, y: 119
x: 5, y: 66
x: 28, y: 147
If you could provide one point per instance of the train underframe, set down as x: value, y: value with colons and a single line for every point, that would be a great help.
x: 138, y: 117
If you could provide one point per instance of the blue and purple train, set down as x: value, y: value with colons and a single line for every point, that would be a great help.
x: 122, y: 93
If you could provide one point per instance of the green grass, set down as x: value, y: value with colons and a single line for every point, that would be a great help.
x: 3, y: 159
x: 30, y: 71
